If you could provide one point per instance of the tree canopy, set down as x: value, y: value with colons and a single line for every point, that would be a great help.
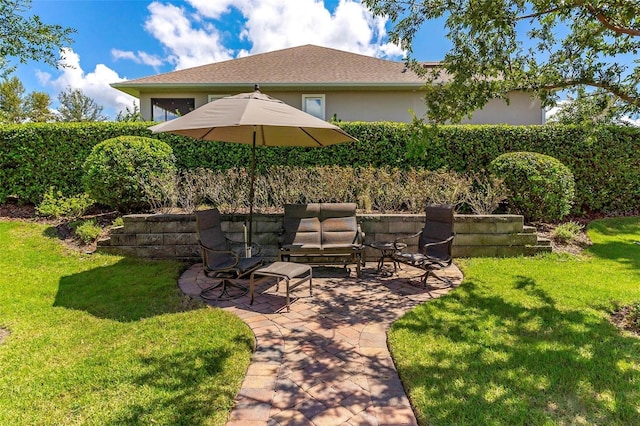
x: 37, y: 107
x: 18, y: 107
x: 130, y: 115
x: 598, y: 107
x: 541, y: 46
x: 27, y: 37
x: 76, y: 106
x: 12, y: 101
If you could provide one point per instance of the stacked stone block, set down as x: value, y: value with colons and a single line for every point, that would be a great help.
x: 173, y: 236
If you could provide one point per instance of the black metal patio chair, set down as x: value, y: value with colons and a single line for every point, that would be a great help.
x: 219, y: 260
x: 434, y: 244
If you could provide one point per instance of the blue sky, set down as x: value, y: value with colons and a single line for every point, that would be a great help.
x: 125, y: 39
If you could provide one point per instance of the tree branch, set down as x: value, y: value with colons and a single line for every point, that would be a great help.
x: 615, y: 28
x: 537, y: 14
x: 599, y: 15
x: 632, y: 100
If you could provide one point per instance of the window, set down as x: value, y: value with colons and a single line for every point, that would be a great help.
x: 165, y: 109
x: 216, y: 97
x: 314, y: 105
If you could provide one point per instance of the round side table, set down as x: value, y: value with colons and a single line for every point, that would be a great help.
x: 387, y: 249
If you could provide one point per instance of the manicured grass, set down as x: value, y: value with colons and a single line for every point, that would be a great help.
x: 106, y: 340
x: 528, y: 341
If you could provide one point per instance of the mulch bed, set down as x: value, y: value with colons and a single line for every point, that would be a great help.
x: 27, y: 213
x: 16, y: 211
x: 575, y: 246
x: 620, y: 318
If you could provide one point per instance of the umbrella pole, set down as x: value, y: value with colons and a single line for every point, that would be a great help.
x: 251, y: 190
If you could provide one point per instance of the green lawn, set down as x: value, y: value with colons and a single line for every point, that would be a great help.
x: 106, y: 340
x: 527, y: 341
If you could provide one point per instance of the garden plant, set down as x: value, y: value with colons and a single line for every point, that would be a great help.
x: 35, y: 157
x: 541, y: 187
x: 117, y: 169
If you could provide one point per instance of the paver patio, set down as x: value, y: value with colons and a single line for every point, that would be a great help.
x: 326, y: 362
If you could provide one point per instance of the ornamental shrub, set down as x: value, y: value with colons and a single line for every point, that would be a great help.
x: 486, y: 194
x: 542, y: 188
x: 118, y: 221
x: 118, y: 170
x: 567, y: 232
x: 87, y: 230
x: 55, y: 205
x: 604, y: 160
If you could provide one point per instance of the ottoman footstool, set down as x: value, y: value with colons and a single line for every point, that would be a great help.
x: 287, y: 271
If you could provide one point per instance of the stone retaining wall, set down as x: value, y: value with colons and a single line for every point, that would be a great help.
x: 173, y: 236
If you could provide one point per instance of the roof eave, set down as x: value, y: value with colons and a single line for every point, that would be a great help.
x: 135, y: 89
x: 129, y: 90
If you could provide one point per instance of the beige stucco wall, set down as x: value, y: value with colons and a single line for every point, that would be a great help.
x: 522, y: 110
x: 383, y: 106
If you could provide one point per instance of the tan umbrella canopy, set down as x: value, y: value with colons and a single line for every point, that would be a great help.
x: 258, y: 120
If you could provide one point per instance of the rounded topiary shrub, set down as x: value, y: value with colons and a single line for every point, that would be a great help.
x: 118, y: 170
x: 542, y: 188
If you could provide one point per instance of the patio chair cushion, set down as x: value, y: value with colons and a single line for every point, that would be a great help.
x: 217, y: 256
x: 327, y: 230
x: 438, y: 227
x: 339, y: 225
x: 302, y: 226
x: 216, y: 263
x: 248, y: 263
x: 209, y: 229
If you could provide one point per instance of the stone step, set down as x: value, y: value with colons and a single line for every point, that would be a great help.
x: 532, y: 250
x: 545, y: 242
x: 516, y: 239
x: 104, y: 242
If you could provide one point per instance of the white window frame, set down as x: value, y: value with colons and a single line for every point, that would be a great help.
x: 315, y: 96
x: 211, y: 98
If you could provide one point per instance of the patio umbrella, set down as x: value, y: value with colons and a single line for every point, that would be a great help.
x: 258, y: 120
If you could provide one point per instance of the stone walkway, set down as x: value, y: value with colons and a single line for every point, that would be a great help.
x: 326, y: 362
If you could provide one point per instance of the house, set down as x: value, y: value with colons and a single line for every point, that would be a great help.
x: 321, y: 81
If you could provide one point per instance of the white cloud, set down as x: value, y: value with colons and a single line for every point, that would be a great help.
x: 139, y: 58
x: 121, y: 54
x: 267, y: 25
x: 93, y: 84
x: 148, y: 59
x: 549, y: 113
x: 215, y: 9
x: 631, y: 121
x: 187, y: 46
x: 190, y: 37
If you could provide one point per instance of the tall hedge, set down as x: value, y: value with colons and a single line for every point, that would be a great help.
x: 605, y: 161
x: 37, y: 156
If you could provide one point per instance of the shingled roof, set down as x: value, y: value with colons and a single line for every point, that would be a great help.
x: 295, y: 66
